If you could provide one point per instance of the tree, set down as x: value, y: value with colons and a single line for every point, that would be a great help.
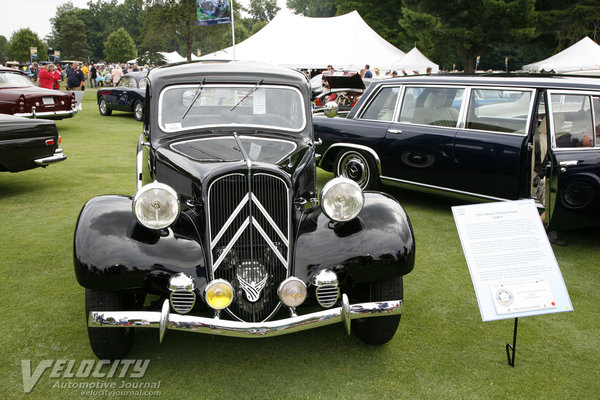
x: 72, y: 39
x: 119, y: 47
x: 473, y: 27
x: 263, y: 10
x: 3, y: 49
x: 314, y: 8
x: 20, y: 43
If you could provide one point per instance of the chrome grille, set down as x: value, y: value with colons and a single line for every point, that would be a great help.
x: 327, y: 295
x: 249, y: 224
x: 182, y: 301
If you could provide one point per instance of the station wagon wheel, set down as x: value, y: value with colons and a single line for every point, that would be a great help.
x: 361, y: 168
x: 104, y: 110
x: 108, y: 343
x: 379, y: 330
x: 138, y: 110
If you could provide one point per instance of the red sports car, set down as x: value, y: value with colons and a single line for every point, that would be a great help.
x: 20, y: 96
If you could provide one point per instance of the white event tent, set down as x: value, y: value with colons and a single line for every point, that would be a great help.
x: 415, y: 61
x: 582, y: 56
x: 344, y: 41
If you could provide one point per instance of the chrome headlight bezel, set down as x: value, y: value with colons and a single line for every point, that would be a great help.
x: 222, y: 285
x: 161, y: 196
x: 292, y: 292
x: 338, y: 191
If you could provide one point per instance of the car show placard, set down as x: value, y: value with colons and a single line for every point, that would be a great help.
x: 511, y: 262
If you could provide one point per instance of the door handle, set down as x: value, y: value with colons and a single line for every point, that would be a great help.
x: 397, y: 131
x: 564, y: 164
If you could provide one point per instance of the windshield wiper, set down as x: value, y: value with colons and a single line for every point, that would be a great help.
x: 247, y: 94
x: 196, y: 95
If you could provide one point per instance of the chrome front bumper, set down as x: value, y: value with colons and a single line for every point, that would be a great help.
x: 54, y: 158
x: 214, y: 326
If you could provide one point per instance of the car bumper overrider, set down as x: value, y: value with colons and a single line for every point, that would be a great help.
x: 214, y: 326
x: 54, y: 158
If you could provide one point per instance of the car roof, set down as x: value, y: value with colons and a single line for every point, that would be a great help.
x: 522, y: 80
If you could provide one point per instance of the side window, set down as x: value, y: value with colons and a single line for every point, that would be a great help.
x: 431, y: 105
x: 498, y: 110
x: 572, y: 119
x: 382, y: 106
x: 596, y: 106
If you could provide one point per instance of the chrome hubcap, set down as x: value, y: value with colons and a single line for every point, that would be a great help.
x: 354, y: 166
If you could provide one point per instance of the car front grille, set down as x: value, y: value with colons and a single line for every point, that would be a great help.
x: 249, y: 225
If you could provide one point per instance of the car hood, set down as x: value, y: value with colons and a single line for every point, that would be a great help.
x: 202, y: 158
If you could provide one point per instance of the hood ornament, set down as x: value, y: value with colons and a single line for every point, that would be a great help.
x: 253, y: 289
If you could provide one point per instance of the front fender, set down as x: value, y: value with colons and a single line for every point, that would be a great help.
x: 378, y: 244
x: 112, y: 251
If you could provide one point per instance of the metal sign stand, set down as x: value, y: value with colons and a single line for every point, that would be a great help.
x: 510, y: 349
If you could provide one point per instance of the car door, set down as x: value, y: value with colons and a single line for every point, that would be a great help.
x: 418, y: 148
x: 492, y: 151
x: 573, y: 184
x: 121, y: 93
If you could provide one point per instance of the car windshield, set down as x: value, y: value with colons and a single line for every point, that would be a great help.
x: 185, y: 107
x: 14, y: 79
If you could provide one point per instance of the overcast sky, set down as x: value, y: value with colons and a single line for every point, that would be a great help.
x: 36, y: 14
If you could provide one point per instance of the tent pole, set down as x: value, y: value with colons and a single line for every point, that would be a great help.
x: 232, y: 31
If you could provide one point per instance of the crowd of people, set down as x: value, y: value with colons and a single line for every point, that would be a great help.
x: 77, y: 75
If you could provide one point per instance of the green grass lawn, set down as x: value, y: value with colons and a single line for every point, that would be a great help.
x: 441, y: 350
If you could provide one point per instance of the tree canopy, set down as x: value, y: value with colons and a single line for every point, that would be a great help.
x: 20, y: 43
x: 119, y: 47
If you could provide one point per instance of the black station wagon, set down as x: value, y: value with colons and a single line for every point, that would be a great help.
x: 489, y: 137
x: 226, y: 234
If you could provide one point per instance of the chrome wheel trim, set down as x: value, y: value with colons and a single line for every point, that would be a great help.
x: 102, y: 106
x: 138, y: 111
x: 353, y: 165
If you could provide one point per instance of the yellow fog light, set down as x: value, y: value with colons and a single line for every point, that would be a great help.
x: 218, y: 294
x: 292, y: 292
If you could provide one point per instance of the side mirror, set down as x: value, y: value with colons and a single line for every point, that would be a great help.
x: 331, y: 109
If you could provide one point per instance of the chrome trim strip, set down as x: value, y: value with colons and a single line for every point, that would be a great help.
x: 214, y: 326
x: 56, y: 157
x: 270, y: 220
x: 229, y: 221
x: 66, y: 114
x: 441, y: 188
x: 269, y: 242
x: 234, y: 239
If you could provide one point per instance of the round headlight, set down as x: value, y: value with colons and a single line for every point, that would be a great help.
x: 156, y: 206
x: 292, y: 292
x: 342, y: 199
x: 218, y: 294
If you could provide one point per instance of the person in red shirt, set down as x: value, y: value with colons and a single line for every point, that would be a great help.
x: 48, y: 77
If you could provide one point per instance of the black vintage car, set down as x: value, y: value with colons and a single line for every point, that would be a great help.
x: 128, y: 95
x: 28, y: 143
x: 491, y: 138
x: 226, y: 235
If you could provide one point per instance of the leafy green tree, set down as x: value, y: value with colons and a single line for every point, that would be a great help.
x: 473, y: 27
x: 3, y: 49
x: 263, y: 10
x: 119, y: 47
x: 20, y: 43
x: 315, y: 8
x: 72, y: 38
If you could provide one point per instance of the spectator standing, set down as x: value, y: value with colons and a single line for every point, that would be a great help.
x: 75, y: 78
x: 49, y: 77
x: 117, y: 74
x: 84, y: 69
x: 368, y: 73
x: 93, y: 76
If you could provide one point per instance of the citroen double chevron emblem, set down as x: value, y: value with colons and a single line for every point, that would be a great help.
x: 252, y: 289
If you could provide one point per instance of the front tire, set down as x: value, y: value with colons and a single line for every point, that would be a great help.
x: 103, y: 107
x: 379, y: 330
x: 138, y: 110
x: 355, y: 165
x: 108, y: 343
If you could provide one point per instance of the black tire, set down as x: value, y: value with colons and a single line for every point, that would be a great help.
x: 138, y: 110
x: 379, y: 330
x: 103, y: 107
x: 358, y: 166
x: 108, y: 343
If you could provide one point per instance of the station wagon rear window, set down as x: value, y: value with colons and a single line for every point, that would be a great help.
x: 185, y: 107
